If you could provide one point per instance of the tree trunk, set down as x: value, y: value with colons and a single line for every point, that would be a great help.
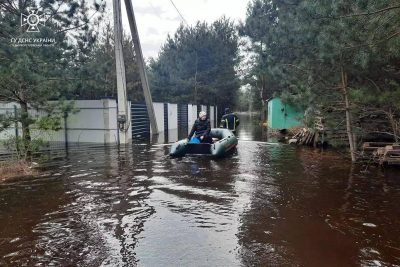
x: 195, y: 81
x: 394, y: 124
x: 26, y: 134
x: 263, y: 96
x: 348, y: 116
x: 264, y: 112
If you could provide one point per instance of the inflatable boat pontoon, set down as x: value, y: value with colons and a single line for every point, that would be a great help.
x: 227, y: 141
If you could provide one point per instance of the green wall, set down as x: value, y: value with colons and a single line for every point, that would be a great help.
x: 282, y: 116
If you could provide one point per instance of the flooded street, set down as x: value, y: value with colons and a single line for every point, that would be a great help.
x: 269, y: 204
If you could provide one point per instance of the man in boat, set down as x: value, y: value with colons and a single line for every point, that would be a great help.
x: 201, y: 129
x: 229, y: 120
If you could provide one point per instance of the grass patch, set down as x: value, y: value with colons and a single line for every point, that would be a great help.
x: 13, y: 169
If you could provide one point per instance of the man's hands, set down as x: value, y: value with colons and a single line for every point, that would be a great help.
x: 201, y: 138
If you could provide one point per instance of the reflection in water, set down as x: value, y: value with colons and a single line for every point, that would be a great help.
x: 268, y: 204
x: 169, y: 136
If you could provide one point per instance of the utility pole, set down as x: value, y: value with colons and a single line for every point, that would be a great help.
x: 141, y: 65
x: 122, y: 117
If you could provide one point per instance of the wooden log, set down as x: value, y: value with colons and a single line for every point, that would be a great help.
x: 380, y: 151
x: 297, y: 135
x: 316, y: 139
x: 293, y: 141
x: 309, y: 138
x: 304, y: 139
x: 392, y: 157
x: 312, y: 139
x: 370, y: 146
x: 389, y: 154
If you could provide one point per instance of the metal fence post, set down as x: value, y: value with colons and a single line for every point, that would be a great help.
x: 16, y: 127
x: 66, y: 129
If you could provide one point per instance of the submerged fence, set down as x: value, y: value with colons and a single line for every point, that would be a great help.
x: 174, y: 120
x: 96, y: 122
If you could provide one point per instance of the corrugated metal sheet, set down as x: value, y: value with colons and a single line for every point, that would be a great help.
x: 140, y: 120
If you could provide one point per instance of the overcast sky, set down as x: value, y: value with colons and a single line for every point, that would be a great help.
x: 156, y: 18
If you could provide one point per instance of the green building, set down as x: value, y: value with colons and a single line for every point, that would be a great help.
x: 282, y: 116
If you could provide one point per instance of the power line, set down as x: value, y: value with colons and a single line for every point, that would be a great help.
x: 177, y: 10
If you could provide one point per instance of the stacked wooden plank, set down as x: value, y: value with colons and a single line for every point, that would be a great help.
x: 389, y: 155
x: 383, y: 153
x: 373, y: 146
x: 305, y: 136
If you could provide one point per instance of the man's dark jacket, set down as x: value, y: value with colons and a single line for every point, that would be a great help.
x: 200, y: 128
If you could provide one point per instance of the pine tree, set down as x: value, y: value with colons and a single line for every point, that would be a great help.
x: 197, y: 65
x: 31, y: 76
x: 321, y: 54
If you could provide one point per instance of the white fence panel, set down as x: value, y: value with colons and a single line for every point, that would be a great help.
x: 172, y: 116
x: 211, y: 116
x: 159, y: 112
x: 95, y: 122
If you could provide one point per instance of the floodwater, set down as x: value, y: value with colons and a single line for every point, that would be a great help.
x: 269, y: 204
